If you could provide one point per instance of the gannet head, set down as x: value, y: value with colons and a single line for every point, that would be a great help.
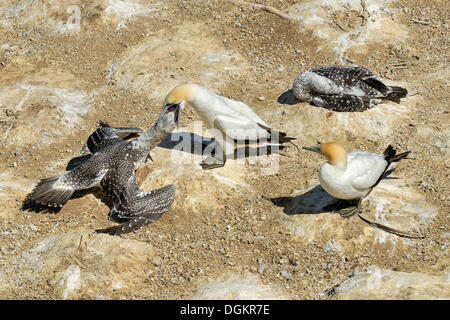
x: 179, y: 96
x: 301, y: 86
x: 334, y: 152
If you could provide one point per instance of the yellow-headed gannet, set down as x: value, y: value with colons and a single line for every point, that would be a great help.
x: 112, y: 166
x: 234, y: 119
x: 344, y: 88
x: 352, y: 176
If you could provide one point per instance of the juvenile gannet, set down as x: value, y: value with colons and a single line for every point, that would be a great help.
x: 352, y: 176
x: 233, y: 119
x: 344, y: 88
x: 112, y: 166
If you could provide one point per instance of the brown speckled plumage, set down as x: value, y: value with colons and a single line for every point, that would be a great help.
x: 344, y: 88
x: 112, y: 166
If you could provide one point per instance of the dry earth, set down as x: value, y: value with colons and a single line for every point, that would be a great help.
x: 222, y: 237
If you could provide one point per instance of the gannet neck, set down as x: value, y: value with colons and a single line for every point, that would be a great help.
x: 150, y: 139
x: 335, y: 153
x: 183, y: 92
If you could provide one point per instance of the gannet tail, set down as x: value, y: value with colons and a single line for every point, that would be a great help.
x: 282, y: 136
x: 390, y: 155
x: 396, y: 93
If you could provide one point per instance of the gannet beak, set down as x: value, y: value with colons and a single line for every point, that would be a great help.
x: 315, y: 149
x: 182, y: 103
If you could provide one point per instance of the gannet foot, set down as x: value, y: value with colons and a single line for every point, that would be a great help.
x: 350, y: 211
x: 211, y: 163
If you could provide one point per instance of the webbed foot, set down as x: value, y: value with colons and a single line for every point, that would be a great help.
x: 211, y: 163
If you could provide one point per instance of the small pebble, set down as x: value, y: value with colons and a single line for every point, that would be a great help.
x: 286, y: 275
x: 261, y: 268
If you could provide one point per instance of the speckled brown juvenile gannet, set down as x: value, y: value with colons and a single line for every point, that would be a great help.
x: 344, y: 88
x: 112, y: 166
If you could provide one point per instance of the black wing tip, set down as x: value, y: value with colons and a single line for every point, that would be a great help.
x: 390, y: 154
x: 113, y: 231
x: 103, y: 124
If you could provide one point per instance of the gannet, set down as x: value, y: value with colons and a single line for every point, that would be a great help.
x: 112, y: 167
x: 344, y: 88
x: 233, y: 119
x: 352, y: 176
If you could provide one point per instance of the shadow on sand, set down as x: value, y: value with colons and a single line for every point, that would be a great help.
x: 314, y: 201
x: 288, y: 97
x: 198, y: 145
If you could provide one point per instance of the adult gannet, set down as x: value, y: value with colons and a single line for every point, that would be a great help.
x: 112, y: 166
x: 233, y: 119
x: 352, y: 176
x: 344, y: 88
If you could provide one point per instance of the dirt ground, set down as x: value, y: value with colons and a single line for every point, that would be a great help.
x: 197, y: 245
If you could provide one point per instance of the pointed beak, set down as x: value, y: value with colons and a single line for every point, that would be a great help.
x: 180, y: 110
x: 315, y: 149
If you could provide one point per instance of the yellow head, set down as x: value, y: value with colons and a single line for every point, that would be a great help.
x: 334, y: 152
x: 177, y: 95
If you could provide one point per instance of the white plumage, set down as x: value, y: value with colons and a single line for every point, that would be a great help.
x: 233, y: 119
x: 218, y: 112
x: 352, y: 176
x: 355, y: 180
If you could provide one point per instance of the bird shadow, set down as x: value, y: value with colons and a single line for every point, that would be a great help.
x: 288, y: 97
x: 199, y: 145
x: 314, y: 201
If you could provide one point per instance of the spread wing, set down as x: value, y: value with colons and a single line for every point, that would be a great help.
x: 130, y: 203
x: 106, y: 136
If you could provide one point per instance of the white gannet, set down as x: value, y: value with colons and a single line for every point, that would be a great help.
x: 112, y: 166
x: 352, y: 176
x: 344, y: 88
x: 233, y: 119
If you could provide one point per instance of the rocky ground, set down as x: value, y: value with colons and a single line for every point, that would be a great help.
x: 66, y: 64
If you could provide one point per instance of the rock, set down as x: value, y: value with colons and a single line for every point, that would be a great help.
x: 346, y: 31
x: 309, y: 221
x: 61, y: 111
x: 286, y: 275
x: 385, y: 284
x: 214, y: 63
x: 234, y: 287
x: 79, y: 264
x: 261, y: 268
x: 65, y: 16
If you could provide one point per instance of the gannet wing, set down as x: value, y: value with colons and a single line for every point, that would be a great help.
x: 344, y: 102
x: 368, y: 168
x: 239, y: 128
x: 243, y: 109
x: 129, y: 202
x: 56, y: 191
x: 344, y: 76
x: 351, y: 77
x: 105, y: 136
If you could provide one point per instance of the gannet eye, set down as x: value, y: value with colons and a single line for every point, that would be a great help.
x: 172, y: 107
